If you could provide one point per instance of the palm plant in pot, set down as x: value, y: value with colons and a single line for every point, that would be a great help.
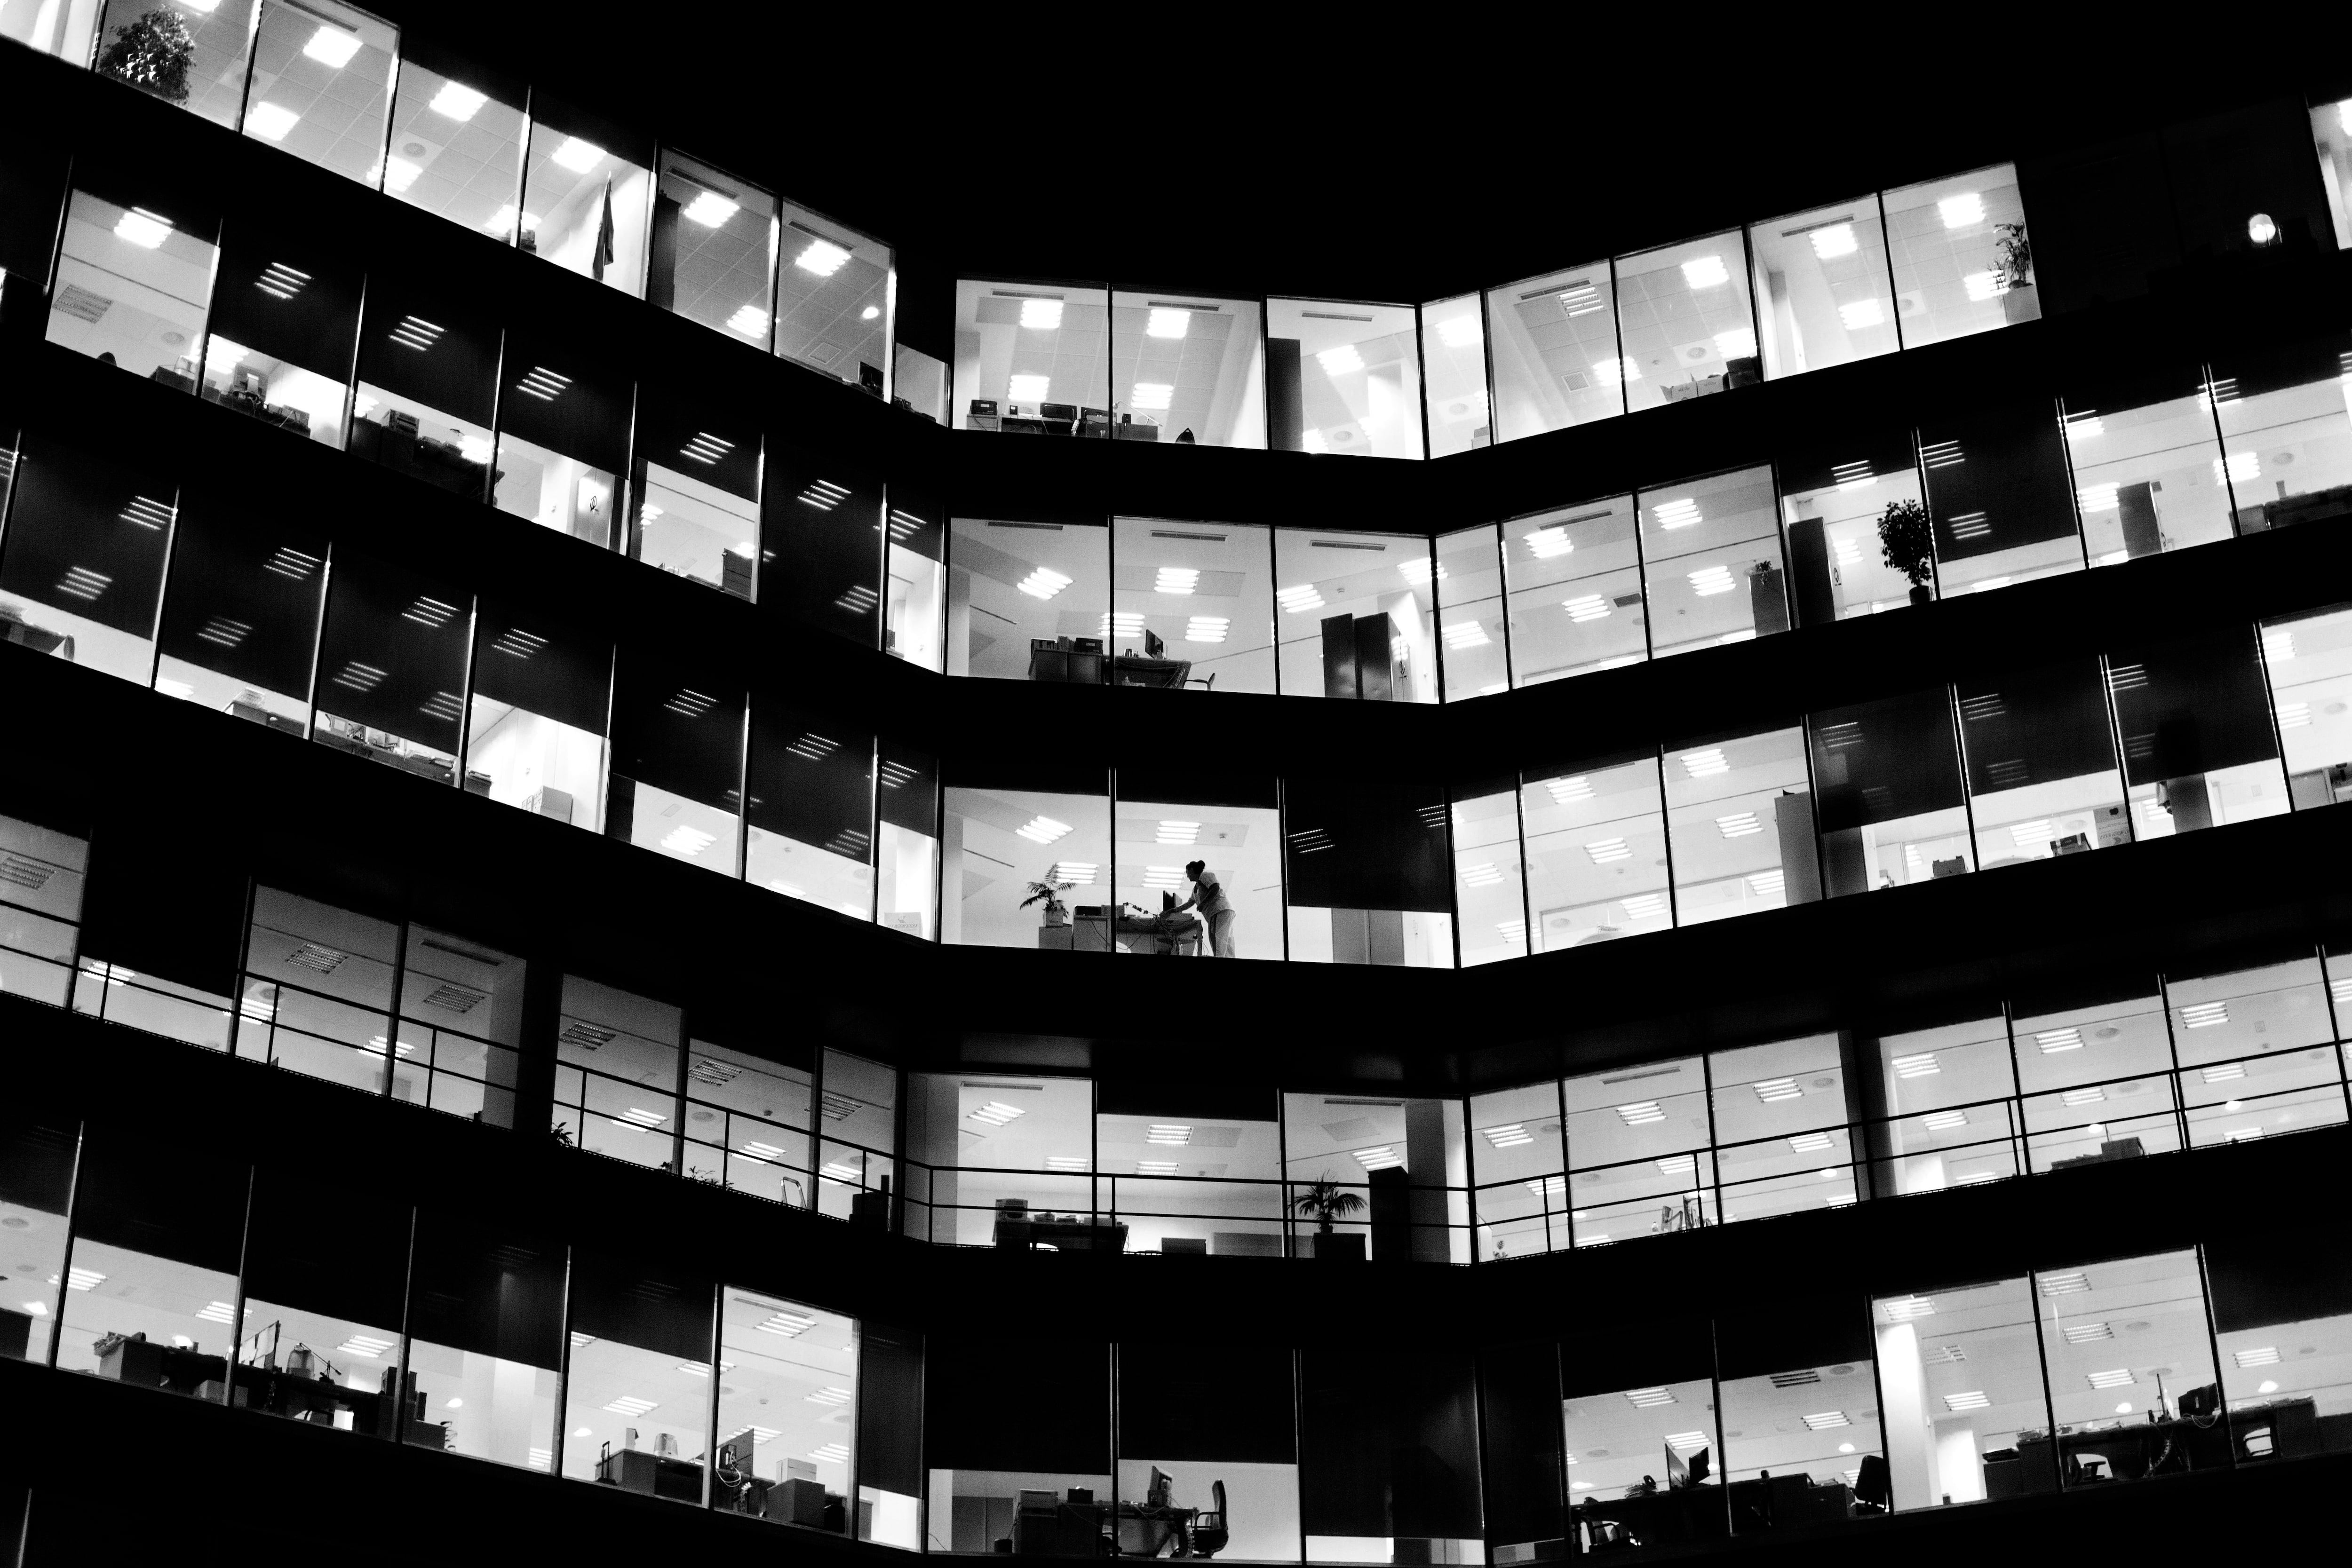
x: 2013, y: 273
x: 1049, y: 893
x: 1906, y: 541
x: 1323, y: 1201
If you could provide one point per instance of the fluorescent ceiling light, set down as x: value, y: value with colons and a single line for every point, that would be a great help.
x: 1581, y: 299
x: 1044, y: 583
x: 1482, y: 874
x: 1378, y: 1157
x: 1312, y: 441
x: 1832, y: 241
x: 1586, y: 607
x: 711, y: 210
x: 1768, y: 884
x: 1810, y: 1142
x: 1740, y: 343
x: 2092, y: 1095
x: 2238, y: 467
x: 767, y: 1154
x: 1774, y: 1091
x: 458, y: 101
x: 2088, y: 1334
x: 1176, y: 579
x: 1705, y: 272
x: 1514, y: 931
x: 1041, y: 829
x: 1922, y: 1064
x: 82, y: 1279
x: 1167, y: 321
x: 143, y: 228
x: 1463, y: 635
x: 1041, y: 315
x: 688, y: 842
x: 1568, y: 791
x: 997, y: 1113
x: 751, y: 322
x: 1298, y: 600
x: 2205, y: 1015
x: 1826, y: 1421
x: 1904, y: 1308
x: 1973, y: 1400
x: 1153, y: 395
x: 2224, y: 1072
x: 831, y: 1454
x: 1155, y: 1167
x: 579, y: 156
x: 1958, y: 212
x: 1641, y: 1114
x: 1863, y: 314
x: 225, y: 1313
x: 1169, y: 1134
x: 790, y: 1325
x: 1604, y: 850
x: 1706, y: 763
x: 332, y: 47
x: 2267, y: 1355
x: 831, y: 1396
x: 824, y: 259
x: 1709, y: 580
x: 1122, y: 623
x: 1649, y: 1398
x: 1739, y: 824
x: 637, y: 1116
x: 1548, y: 544
x: 1460, y: 332
x: 1508, y: 1135
x: 1684, y: 1442
x: 1613, y: 371
x: 2120, y: 1377
x: 842, y: 1173
x: 399, y: 174
x: 2053, y: 1041
x: 1680, y: 513
x: 1341, y: 361
x: 2068, y: 1284
x: 2083, y: 426
x: 631, y: 1406
x: 1077, y: 873
x: 1981, y: 286
x: 1945, y: 1121
x: 1066, y: 1162
x: 1645, y: 905
x: 870, y: 312
x: 1170, y: 831
x: 2278, y: 645
x: 1028, y: 388
x: 270, y: 121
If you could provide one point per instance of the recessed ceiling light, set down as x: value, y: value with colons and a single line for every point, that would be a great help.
x: 1604, y: 850
x: 579, y: 156
x: 2065, y: 1284
x: 1740, y: 343
x: 1774, y: 1091
x: 270, y: 121
x: 1705, y: 272
x: 1298, y: 600
x: 870, y: 312
x: 1378, y: 1157
x: 1028, y: 388
x: 1706, y: 763
x: 1341, y: 361
x: 1155, y: 1167
x: 1041, y: 315
x: 1684, y: 1442
x: 1167, y: 321
x: 458, y: 101
x: 1176, y: 579
x: 1833, y: 240
x: 2088, y: 1334
x: 1827, y: 1420
x: 1173, y: 832
x: 2091, y: 1095
x: 332, y: 47
x: 1613, y: 371
x: 1460, y: 332
x: 1568, y: 791
x: 1586, y: 607
x: 1463, y: 635
x: 2267, y: 1355
x: 1904, y: 1308
x: 2053, y: 1041
x: 1863, y: 314
x: 1945, y: 1121
x: 1482, y: 874
x: 1044, y: 583
x: 1981, y: 286
x: 824, y: 259
x: 1549, y: 543
x: 1739, y: 824
x: 1314, y: 442
x: 399, y: 174
x: 711, y: 210
x: 688, y: 842
x: 143, y: 228
x: 1077, y: 873
x: 790, y: 1325
x: 1041, y: 829
x: 2223, y: 1073
x: 1960, y: 212
x: 1508, y: 1135
x: 1066, y: 1162
x: 1167, y: 1133
x: 1649, y: 1398
x: 750, y: 320
x: 1122, y: 624
x: 2205, y: 1015
x: 1973, y: 1400
x: 2120, y: 1377
x: 1641, y: 1114
x: 631, y: 1406
x: 997, y: 1113
x: 1810, y: 1142
x: 1922, y: 1064
x: 1643, y: 905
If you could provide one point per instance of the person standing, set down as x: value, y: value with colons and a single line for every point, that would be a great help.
x: 1213, y: 908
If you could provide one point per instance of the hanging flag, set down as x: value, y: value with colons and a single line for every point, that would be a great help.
x: 604, y: 235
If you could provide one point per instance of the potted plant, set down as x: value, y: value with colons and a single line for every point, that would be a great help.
x: 1907, y: 542
x: 1323, y: 1201
x: 2013, y: 273
x: 1050, y: 893
x: 152, y: 53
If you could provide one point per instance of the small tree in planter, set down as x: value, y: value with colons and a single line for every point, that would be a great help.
x: 1049, y: 893
x: 152, y: 53
x: 2013, y: 273
x: 1907, y: 542
x: 1323, y: 1201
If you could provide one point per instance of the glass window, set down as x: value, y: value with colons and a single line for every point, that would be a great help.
x: 321, y: 86
x: 714, y: 249
x: 1711, y: 561
x: 1596, y: 852
x: 1963, y: 263
x: 1519, y: 1386
x: 2148, y: 470
x: 1453, y: 351
x: 486, y: 1341
x: 1555, y: 353
x: 918, y: 383
x: 1942, y: 1108
x: 2309, y: 661
x: 457, y: 134
x: 906, y: 856
x: 63, y: 30
x: 2283, y: 1323
x: 1739, y: 816
x: 2256, y: 1048
x: 1389, y: 1462
x: 1780, y: 1115
x: 1366, y: 874
x: 2195, y: 719
x: 677, y: 783
x: 137, y: 41
x: 1471, y: 615
x: 1686, y: 321
x: 810, y: 810
x: 587, y: 189
x: 151, y: 1278
x: 286, y: 315
x: 1355, y: 615
x: 427, y: 383
x: 1209, y: 1432
x: 1575, y: 579
x: 1960, y: 1370
x: 1490, y: 894
x: 1028, y: 601
x: 1638, y: 1152
x: 2125, y: 1344
x: 459, y: 1048
x: 1013, y: 852
x: 564, y: 441
x: 834, y: 300
x: 324, y: 1272
x: 858, y: 1103
x: 820, y: 539
x: 1823, y: 289
x: 616, y: 1074
x: 914, y: 610
x: 746, y: 1121
x: 1802, y: 1444
x: 1000, y: 1473
x: 1642, y: 1461
x: 392, y: 666
x: 134, y: 278
x: 1190, y: 365
x: 1836, y: 498
x: 2286, y: 437
x: 637, y: 1389
x: 1029, y: 357
x: 696, y: 484
x: 1005, y: 1157
x: 1343, y: 377
x: 2331, y: 129
x: 36, y: 1172
x: 2095, y: 1059
x: 318, y: 991
x: 1891, y: 811
x: 41, y: 873
x: 1199, y: 868
x: 1521, y: 1202
x: 1186, y: 1169
x: 162, y: 937
x: 1201, y: 595
x: 82, y: 566
x: 541, y: 702
x: 2041, y: 772
x: 1997, y: 495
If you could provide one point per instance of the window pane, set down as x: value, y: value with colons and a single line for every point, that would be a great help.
x: 1171, y: 1450
x: 81, y: 567
x: 1946, y: 1094
x: 1389, y: 1468
x: 1490, y: 891
x: 1003, y: 1154
x: 2042, y: 780
x: 1028, y: 601
x: 1596, y: 852
x: 677, y: 764
x: 241, y: 621
x: 820, y: 540
x: 587, y: 189
x: 1203, y: 593
x: 213, y: 84
x: 857, y: 1109
x: 317, y: 994
x: 2095, y: 1060
x: 321, y: 83
x: 564, y: 441
x: 1343, y: 377
x: 1354, y: 621
x: 64, y: 31
x: 1781, y: 1118
x: 392, y: 664
x: 2148, y: 471
x: 1803, y: 1441
x: 535, y: 738
x: 134, y: 276
x: 616, y: 1074
x: 459, y: 127
x: 2285, y: 434
x: 918, y: 383
x: 1833, y: 497
x: 1963, y: 262
x: 747, y: 1123
x: 486, y: 1322
x: 1521, y: 1204
x: 286, y: 312
x: 907, y: 859
x: 2198, y: 745
x: 1188, y: 364
x: 41, y: 874
x: 714, y: 249
x: 1365, y: 872
x: 2309, y: 661
x: 2256, y: 1048
x: 2284, y: 1325
x: 834, y: 299
x: 2118, y: 1396
x: 636, y: 1389
x: 2331, y: 129
x: 1030, y: 356
x: 1555, y: 352
x: 427, y: 381
x: 1998, y: 493
x: 1960, y: 1370
x: 1637, y: 1149
x: 1015, y: 854
x: 1470, y: 605
x: 1686, y: 319
x: 1822, y: 287
x: 1622, y: 1441
x: 1740, y: 816
x: 695, y: 486
x: 460, y: 1028
x: 913, y: 616
x: 1891, y: 806
x: 153, y: 1274
x: 811, y: 811
x: 1453, y: 347
x: 1711, y: 561
x: 324, y: 1270
x: 1575, y: 580
x: 37, y: 1172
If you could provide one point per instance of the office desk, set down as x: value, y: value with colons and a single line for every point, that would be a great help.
x: 795, y: 1502
x: 38, y: 638
x: 1147, y: 934
x: 1783, y: 1502
x: 1662, y: 1518
x: 2136, y: 1450
x: 1070, y: 1233
x: 151, y: 1363
x: 655, y: 1475
x: 437, y: 462
x: 260, y: 408
x: 2312, y: 506
x: 2113, y: 1149
x: 1066, y: 666
x: 1146, y: 1530
x: 317, y: 1399
x: 1135, y: 670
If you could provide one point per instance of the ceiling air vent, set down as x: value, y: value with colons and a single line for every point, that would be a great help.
x: 311, y: 956
x: 1795, y: 1379
x: 31, y: 875
x: 80, y: 303
x: 456, y: 998
x: 586, y: 1036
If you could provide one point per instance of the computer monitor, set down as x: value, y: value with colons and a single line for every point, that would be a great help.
x: 1154, y: 646
x: 1156, y: 1494
x: 1064, y: 412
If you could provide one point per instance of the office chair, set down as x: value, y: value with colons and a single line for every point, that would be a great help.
x: 1206, y: 682
x: 1872, y: 1484
x: 1210, y: 1530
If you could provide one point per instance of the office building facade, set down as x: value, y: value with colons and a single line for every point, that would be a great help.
x: 637, y: 1039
